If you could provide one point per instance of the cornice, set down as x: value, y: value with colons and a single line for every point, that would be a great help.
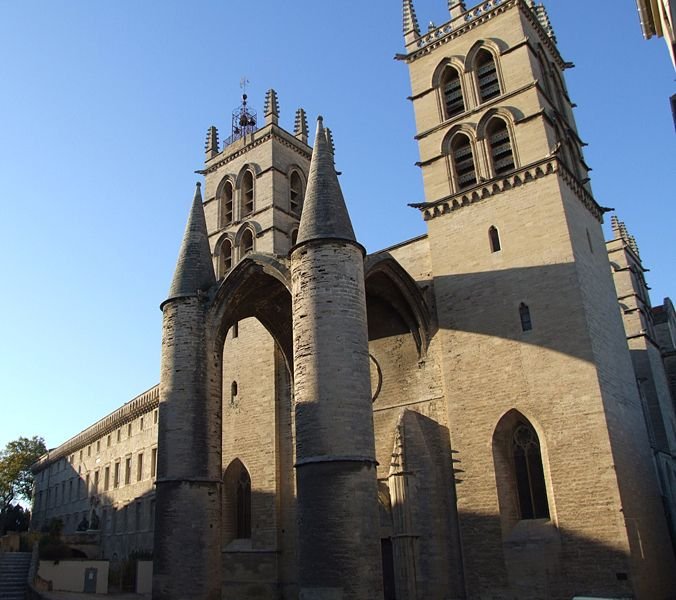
x: 217, y: 163
x: 470, y: 20
x: 141, y: 405
x: 523, y: 176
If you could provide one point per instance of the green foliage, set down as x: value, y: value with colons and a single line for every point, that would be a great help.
x: 15, y: 518
x: 16, y: 478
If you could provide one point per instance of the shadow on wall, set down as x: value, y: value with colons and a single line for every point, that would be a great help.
x: 489, y: 303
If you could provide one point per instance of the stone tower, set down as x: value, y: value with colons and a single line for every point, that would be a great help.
x: 339, y: 555
x: 254, y: 185
x: 532, y: 343
x: 189, y: 440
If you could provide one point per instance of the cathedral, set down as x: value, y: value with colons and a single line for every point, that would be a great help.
x: 482, y: 412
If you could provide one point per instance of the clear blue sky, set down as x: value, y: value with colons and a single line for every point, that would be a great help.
x: 104, y: 108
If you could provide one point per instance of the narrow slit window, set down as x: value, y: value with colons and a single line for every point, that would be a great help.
x: 463, y: 161
x: 454, y: 103
x: 294, y: 237
x: 494, y: 239
x: 529, y: 473
x: 295, y: 193
x: 233, y: 393
x: 487, y: 76
x: 227, y: 214
x: 500, y: 145
x: 247, y: 194
x: 524, y: 315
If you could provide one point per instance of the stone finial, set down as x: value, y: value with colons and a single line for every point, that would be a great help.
x: 620, y: 232
x: 194, y: 271
x: 324, y: 215
x: 271, y: 108
x: 331, y: 144
x: 456, y: 8
x: 411, y: 26
x: 540, y: 12
x: 300, y: 129
x: 211, y: 145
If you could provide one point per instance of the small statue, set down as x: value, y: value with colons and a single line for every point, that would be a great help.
x: 83, y: 525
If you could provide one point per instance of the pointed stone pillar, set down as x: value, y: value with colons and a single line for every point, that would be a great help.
x: 187, y: 553
x: 338, y: 520
x: 411, y: 27
x: 456, y: 8
x: 300, y: 130
x: 271, y: 108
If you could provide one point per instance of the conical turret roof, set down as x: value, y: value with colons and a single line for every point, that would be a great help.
x: 324, y: 214
x: 194, y: 269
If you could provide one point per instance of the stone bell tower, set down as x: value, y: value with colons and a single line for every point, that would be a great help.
x: 533, y: 340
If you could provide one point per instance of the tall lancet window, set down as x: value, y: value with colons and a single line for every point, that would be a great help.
x: 247, y: 194
x: 454, y: 103
x: 500, y: 147
x: 463, y: 161
x: 226, y: 204
x: 225, y: 258
x: 247, y: 244
x: 243, y: 505
x: 487, y: 76
x: 529, y: 474
x: 295, y: 192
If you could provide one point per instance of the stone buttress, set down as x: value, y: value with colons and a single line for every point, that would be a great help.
x: 339, y: 552
x: 187, y: 561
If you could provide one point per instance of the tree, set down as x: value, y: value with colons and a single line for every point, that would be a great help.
x: 16, y: 478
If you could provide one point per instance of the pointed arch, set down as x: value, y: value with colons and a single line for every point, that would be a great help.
x: 237, y: 509
x: 226, y: 201
x: 448, y: 80
x: 461, y: 150
x: 386, y: 279
x: 500, y: 146
x: 482, y: 61
x: 519, y: 470
x: 297, y: 186
x: 224, y: 253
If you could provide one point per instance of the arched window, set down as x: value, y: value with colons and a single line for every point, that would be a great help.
x: 226, y: 204
x: 225, y: 258
x: 454, y: 103
x: 528, y: 472
x: 494, y: 239
x: 463, y: 161
x: 524, y: 315
x: 500, y: 147
x: 247, y: 194
x: 295, y: 192
x: 243, y: 504
x: 487, y: 76
x: 294, y: 237
x: 236, y: 502
x: 247, y: 243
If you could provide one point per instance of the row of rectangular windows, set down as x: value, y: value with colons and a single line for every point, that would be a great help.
x: 51, y: 495
x: 61, y: 464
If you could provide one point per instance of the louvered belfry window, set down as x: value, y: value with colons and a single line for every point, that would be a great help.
x: 463, y: 160
x: 454, y: 103
x: 500, y: 146
x: 487, y: 76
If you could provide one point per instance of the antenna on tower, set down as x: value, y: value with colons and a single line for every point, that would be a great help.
x: 244, y: 120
